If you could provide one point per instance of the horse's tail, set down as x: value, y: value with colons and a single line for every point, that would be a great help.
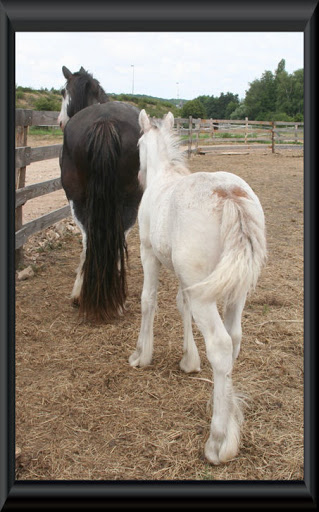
x: 104, y: 276
x: 243, y: 252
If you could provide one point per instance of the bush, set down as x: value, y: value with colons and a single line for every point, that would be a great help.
x: 25, y: 89
x: 46, y: 103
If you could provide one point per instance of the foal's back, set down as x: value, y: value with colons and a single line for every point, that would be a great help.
x: 186, y: 219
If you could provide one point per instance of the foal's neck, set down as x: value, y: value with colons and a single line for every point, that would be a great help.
x: 164, y: 168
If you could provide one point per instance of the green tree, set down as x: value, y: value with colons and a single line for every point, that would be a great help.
x: 240, y: 112
x: 290, y: 93
x: 212, y: 108
x: 277, y: 96
x: 224, y: 101
x: 193, y: 108
x: 261, y: 96
x: 222, y: 106
x: 231, y: 107
x: 204, y: 99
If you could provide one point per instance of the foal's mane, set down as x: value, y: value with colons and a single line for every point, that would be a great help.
x: 172, y: 144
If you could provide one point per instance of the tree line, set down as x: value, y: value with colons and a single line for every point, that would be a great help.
x: 275, y: 96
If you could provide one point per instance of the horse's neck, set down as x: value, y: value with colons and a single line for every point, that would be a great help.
x: 103, y: 97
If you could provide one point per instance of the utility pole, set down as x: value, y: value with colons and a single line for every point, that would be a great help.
x: 132, y: 66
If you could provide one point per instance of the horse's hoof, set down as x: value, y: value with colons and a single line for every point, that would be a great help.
x: 75, y: 302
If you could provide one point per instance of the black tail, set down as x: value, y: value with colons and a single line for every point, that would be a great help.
x: 104, y: 277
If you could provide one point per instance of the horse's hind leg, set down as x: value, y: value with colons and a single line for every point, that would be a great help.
x: 232, y: 322
x: 77, y: 287
x: 144, y: 349
x: 190, y: 361
x: 223, y: 442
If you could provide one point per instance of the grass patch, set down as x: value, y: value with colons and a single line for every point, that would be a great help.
x: 51, y: 131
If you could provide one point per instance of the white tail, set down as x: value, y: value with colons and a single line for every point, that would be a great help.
x: 243, y: 244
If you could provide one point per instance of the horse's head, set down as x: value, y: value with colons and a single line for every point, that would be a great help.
x: 81, y: 90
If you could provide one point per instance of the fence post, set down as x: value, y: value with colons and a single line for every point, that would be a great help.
x: 296, y: 133
x: 197, y: 135
x: 178, y: 126
x: 190, y: 136
x: 211, y: 128
x: 21, y: 140
x: 246, y: 129
x: 273, y: 136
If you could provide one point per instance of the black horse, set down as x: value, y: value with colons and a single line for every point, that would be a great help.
x: 99, y: 173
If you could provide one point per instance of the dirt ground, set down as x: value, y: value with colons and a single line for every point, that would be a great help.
x: 83, y: 413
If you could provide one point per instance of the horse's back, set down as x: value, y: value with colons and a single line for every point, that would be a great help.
x: 123, y: 116
x: 75, y: 160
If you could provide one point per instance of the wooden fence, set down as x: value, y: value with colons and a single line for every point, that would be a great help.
x: 205, y: 135
x: 24, y: 156
x: 200, y: 136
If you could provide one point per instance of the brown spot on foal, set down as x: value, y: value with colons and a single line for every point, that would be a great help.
x: 231, y: 193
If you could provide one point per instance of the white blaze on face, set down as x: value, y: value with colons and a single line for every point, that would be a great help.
x: 63, y: 116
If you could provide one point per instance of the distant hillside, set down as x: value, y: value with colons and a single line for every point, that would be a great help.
x: 45, y: 99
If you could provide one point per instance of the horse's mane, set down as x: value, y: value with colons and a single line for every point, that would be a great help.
x: 85, y: 82
x: 172, y: 144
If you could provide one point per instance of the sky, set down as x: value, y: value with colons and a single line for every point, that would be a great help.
x: 162, y: 64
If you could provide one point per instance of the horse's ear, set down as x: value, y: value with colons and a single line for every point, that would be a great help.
x: 82, y: 70
x: 169, y: 120
x: 144, y: 121
x: 67, y: 73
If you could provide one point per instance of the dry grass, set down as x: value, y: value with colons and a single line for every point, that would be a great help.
x: 83, y: 413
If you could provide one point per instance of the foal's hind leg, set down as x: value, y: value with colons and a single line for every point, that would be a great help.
x: 232, y: 322
x: 144, y: 349
x: 190, y: 361
x: 223, y: 442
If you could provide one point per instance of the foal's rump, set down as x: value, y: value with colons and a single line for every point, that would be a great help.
x: 221, y: 243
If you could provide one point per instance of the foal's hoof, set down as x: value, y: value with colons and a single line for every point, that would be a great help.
x: 211, y: 452
x: 222, y: 448
x: 189, y: 366
x: 137, y: 359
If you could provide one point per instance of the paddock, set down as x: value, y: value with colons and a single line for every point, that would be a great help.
x: 82, y: 412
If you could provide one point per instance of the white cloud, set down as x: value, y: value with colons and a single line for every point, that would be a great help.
x: 202, y: 63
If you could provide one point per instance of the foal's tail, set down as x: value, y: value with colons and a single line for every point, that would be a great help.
x: 104, y: 277
x: 243, y: 246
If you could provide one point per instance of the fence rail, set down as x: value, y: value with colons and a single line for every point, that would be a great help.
x: 198, y: 135
x: 205, y: 135
x: 24, y: 156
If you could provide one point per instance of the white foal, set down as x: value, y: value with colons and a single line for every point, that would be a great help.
x: 209, y: 229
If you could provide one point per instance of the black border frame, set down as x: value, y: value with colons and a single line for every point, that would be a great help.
x: 99, y: 15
